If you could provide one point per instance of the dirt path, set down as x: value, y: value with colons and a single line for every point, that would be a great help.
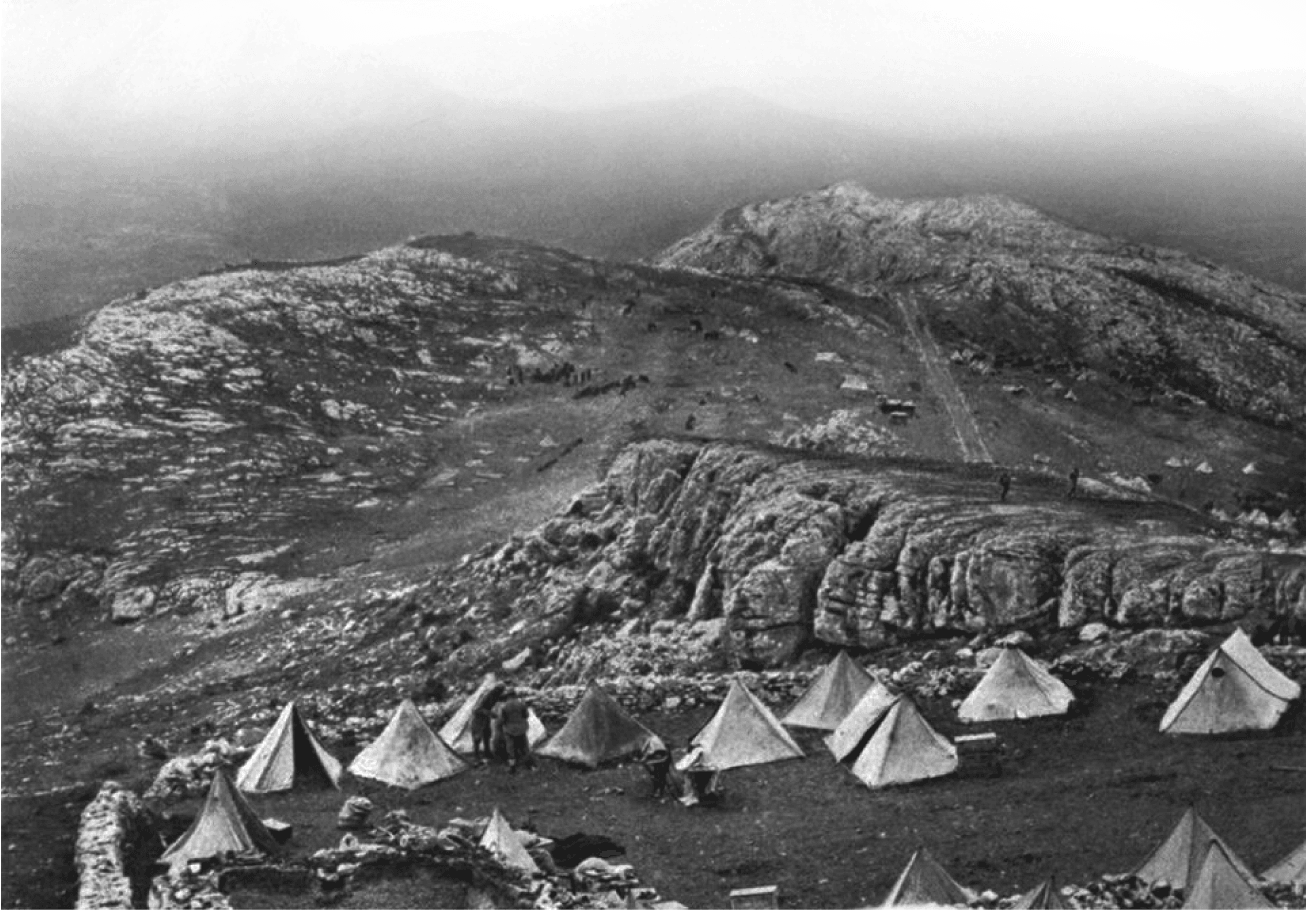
x: 941, y: 382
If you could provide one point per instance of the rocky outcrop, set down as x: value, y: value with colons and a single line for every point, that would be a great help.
x: 111, y: 825
x: 998, y: 276
x: 785, y: 549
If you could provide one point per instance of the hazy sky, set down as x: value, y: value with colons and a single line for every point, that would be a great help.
x: 1190, y: 35
x: 1196, y: 37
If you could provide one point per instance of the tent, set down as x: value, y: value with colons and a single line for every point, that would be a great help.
x: 744, y: 732
x: 1042, y: 897
x: 1235, y: 688
x: 835, y: 691
x: 226, y: 824
x: 1179, y: 857
x: 1292, y: 868
x: 288, y: 756
x: 457, y: 730
x: 505, y: 843
x: 1014, y: 688
x: 1221, y: 886
x: 852, y: 731
x: 924, y: 882
x: 407, y: 754
x: 890, y: 743
x: 597, y: 731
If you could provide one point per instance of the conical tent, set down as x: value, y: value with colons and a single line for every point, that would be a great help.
x: 744, y: 732
x: 505, y: 843
x: 853, y: 731
x: 1292, y: 868
x: 1220, y: 885
x: 835, y: 692
x: 924, y: 882
x: 597, y: 731
x: 226, y: 824
x: 407, y: 754
x: 1042, y: 897
x: 1014, y: 688
x: 457, y: 730
x: 904, y: 748
x: 1180, y: 855
x: 288, y: 756
x: 1235, y: 688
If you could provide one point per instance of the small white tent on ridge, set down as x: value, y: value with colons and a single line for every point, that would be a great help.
x: 835, y: 691
x: 1014, y: 688
x: 744, y: 732
x: 288, y: 756
x: 1234, y: 689
x: 408, y: 753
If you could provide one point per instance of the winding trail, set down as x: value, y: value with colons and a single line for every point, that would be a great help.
x: 941, y: 382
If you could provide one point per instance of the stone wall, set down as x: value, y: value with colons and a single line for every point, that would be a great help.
x: 111, y: 826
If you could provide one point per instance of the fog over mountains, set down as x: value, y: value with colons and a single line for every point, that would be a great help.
x: 147, y: 145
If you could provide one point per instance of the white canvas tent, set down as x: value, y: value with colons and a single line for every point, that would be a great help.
x: 505, y: 843
x: 744, y: 732
x: 1179, y: 857
x: 1234, y: 689
x: 288, y: 756
x: 408, y: 753
x: 226, y: 824
x: 598, y: 730
x: 886, y: 741
x: 1220, y: 885
x: 924, y: 883
x: 835, y: 692
x: 1014, y: 688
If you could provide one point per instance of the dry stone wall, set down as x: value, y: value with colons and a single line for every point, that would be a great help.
x: 111, y: 824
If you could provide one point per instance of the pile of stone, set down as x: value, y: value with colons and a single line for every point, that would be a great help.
x: 188, y: 888
x: 110, y: 825
x: 1285, y: 894
x: 191, y: 775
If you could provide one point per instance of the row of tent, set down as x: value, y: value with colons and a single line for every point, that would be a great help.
x: 1235, y: 689
x: 879, y: 734
x: 1192, y: 858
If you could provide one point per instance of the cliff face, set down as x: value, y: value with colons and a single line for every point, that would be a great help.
x: 786, y: 549
x: 1021, y: 287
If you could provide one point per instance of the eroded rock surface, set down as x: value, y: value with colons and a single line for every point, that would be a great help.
x: 785, y: 549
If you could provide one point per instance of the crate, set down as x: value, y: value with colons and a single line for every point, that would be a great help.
x: 979, y: 755
x: 766, y: 897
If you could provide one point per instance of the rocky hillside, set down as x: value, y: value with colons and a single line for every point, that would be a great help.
x: 767, y: 551
x: 226, y: 444
x: 1017, y: 287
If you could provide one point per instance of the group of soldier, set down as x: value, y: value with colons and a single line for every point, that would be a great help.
x: 501, y: 728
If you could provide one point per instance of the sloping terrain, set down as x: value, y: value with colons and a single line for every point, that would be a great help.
x: 1023, y: 289
x: 218, y: 445
x: 379, y: 476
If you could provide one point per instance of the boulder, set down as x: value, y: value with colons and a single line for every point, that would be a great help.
x: 132, y: 604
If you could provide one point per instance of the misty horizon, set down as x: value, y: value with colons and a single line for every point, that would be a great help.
x: 146, y: 141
